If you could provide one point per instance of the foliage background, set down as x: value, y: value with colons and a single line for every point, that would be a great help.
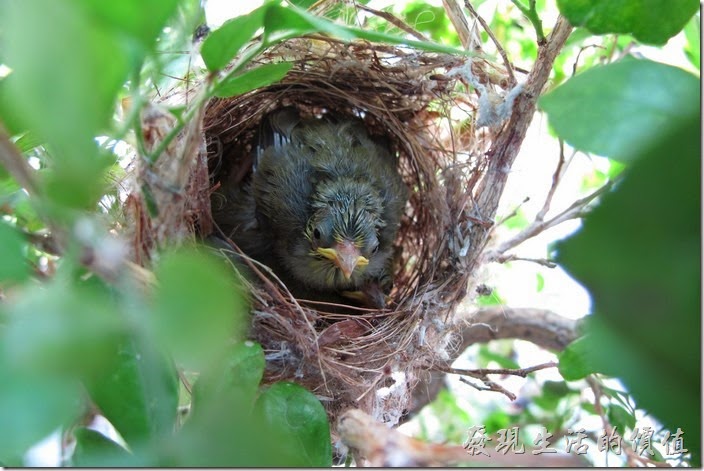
x: 79, y: 335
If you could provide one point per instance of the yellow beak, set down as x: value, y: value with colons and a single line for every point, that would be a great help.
x: 345, y: 255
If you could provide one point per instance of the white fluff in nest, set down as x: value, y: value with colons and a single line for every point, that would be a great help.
x: 389, y: 400
x: 494, y: 108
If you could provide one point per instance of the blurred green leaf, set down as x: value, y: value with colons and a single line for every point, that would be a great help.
x: 452, y: 418
x: 649, y: 21
x: 199, y: 307
x: 139, y: 20
x: 31, y: 407
x: 496, y: 420
x: 27, y: 142
x: 59, y: 36
x: 14, y: 267
x: 433, y: 20
x: 618, y: 110
x: 620, y: 417
x: 552, y: 393
x: 256, y: 78
x: 287, y: 22
x: 61, y: 327
x: 575, y: 361
x: 540, y: 282
x: 82, y: 51
x: 281, y: 23
x: 286, y: 427
x: 223, y: 44
x: 93, y: 449
x: 503, y: 361
x: 692, y: 34
x: 297, y: 420
x: 518, y: 221
x: 238, y: 375
x: 646, y: 326
x: 493, y: 299
x: 137, y: 391
x: 222, y: 404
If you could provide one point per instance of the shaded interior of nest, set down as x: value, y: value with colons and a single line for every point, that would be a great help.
x: 403, y: 95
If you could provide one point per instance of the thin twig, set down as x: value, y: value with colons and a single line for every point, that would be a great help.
x: 499, y: 47
x: 483, y: 372
x: 394, y: 21
x: 632, y: 456
x: 512, y: 257
x: 556, y: 178
x: 185, y: 382
x: 581, y: 50
x: 532, y: 14
x: 512, y: 213
x: 490, y: 386
x: 459, y: 21
x: 575, y: 210
x: 16, y: 164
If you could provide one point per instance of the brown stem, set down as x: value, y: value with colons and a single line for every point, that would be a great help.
x: 541, y: 327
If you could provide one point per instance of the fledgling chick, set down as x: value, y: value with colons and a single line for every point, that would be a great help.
x: 327, y: 206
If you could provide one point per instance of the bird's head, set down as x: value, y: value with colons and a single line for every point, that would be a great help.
x: 343, y: 231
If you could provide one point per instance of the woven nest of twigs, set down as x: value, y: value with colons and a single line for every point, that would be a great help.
x: 421, y: 102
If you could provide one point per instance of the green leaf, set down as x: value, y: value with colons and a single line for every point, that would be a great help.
x: 576, y: 360
x: 620, y: 109
x: 692, y: 34
x: 237, y: 376
x: 496, y: 420
x: 31, y: 407
x: 256, y: 78
x: 14, y: 267
x: 62, y: 327
x: 452, y: 417
x: 199, y: 307
x: 493, y: 299
x: 638, y: 253
x: 282, y: 23
x: 620, y: 417
x: 139, y: 20
x: 59, y: 45
x: 540, y: 282
x: 502, y: 360
x: 223, y: 398
x: 27, y: 142
x: 553, y: 392
x: 649, y: 21
x: 298, y: 422
x: 93, y: 449
x: 518, y: 221
x: 223, y: 44
x: 432, y: 20
x: 137, y: 392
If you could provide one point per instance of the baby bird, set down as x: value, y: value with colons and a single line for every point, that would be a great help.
x: 322, y: 209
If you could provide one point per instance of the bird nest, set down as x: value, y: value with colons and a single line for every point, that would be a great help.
x: 420, y: 102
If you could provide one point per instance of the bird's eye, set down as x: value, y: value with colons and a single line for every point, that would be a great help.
x: 375, y: 249
x: 316, y: 234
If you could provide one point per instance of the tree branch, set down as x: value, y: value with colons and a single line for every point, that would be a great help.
x: 541, y: 327
x: 508, y: 141
x: 382, y: 446
x: 499, y: 47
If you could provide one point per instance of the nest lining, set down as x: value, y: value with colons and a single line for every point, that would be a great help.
x: 369, y: 359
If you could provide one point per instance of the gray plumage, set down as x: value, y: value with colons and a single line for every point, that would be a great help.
x: 318, y: 188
